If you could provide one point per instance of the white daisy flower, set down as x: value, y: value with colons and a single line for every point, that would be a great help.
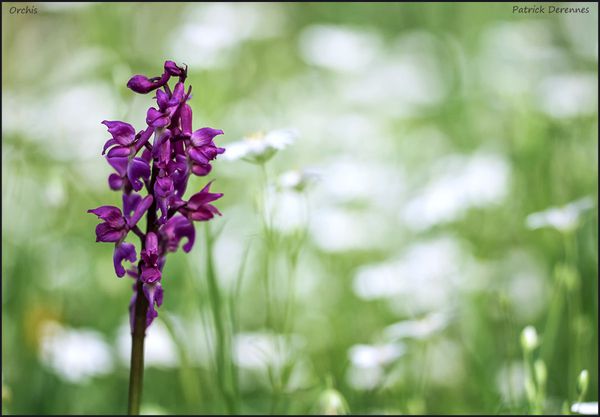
x: 75, y: 355
x: 563, y: 218
x: 371, y: 356
x: 297, y: 180
x: 421, y: 329
x: 585, y: 408
x: 260, y: 147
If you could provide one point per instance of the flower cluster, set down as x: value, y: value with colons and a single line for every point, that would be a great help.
x: 162, y: 168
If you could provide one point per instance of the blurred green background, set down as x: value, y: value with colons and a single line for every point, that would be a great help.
x: 408, y: 268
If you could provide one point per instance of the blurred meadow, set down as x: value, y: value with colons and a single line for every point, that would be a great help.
x: 434, y: 195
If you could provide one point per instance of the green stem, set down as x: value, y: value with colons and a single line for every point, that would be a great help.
x: 136, y: 371
x: 136, y: 375
x: 263, y: 212
x: 216, y: 304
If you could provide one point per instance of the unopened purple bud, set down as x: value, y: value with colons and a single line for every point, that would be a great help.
x: 172, y: 69
x: 143, y: 85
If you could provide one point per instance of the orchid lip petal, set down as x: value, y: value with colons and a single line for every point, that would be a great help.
x: 204, y: 136
x: 124, y: 251
x: 136, y: 170
x: 115, y: 182
x: 119, y: 163
x: 123, y: 133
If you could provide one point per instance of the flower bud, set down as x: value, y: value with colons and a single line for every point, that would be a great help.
x: 529, y: 339
x: 582, y: 382
x: 332, y: 402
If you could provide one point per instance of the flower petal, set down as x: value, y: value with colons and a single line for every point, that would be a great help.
x: 140, y: 210
x: 115, y: 182
x: 107, y: 233
x: 154, y: 295
x: 123, y: 251
x: 186, y: 120
x: 136, y: 170
x: 119, y: 151
x: 143, y: 138
x: 108, y: 144
x: 203, y: 197
x: 121, y: 132
x: 172, y: 68
x: 155, y: 118
x: 197, y: 155
x: 162, y: 149
x: 201, y: 169
x: 150, y: 275
x: 152, y: 243
x: 142, y: 84
x: 106, y: 212
x: 178, y: 94
x: 119, y: 164
x: 162, y: 99
x: 204, y: 136
x: 130, y: 202
x: 203, y: 213
x: 175, y: 229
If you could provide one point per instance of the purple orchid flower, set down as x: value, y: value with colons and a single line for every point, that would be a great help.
x: 202, y: 150
x: 198, y: 208
x: 150, y: 269
x: 175, y: 229
x: 124, y: 251
x: 116, y: 225
x: 163, y: 169
x: 122, y: 148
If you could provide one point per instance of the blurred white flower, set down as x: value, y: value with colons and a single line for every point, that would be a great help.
x: 260, y: 147
x: 339, y: 48
x: 368, y: 362
x: 75, y: 355
x: 61, y: 7
x: 287, y: 210
x: 585, y: 408
x: 262, y: 350
x: 54, y: 191
x: 445, y: 363
x: 422, y: 328
x: 582, y: 32
x: 364, y: 378
x: 370, y: 356
x: 213, y: 31
x: 261, y: 356
x: 297, y: 180
x: 510, y: 381
x: 516, y: 54
x: 477, y: 180
x: 350, y: 179
x: 62, y: 122
x: 413, y: 283
x: 336, y: 229
x: 569, y: 95
x: 402, y: 82
x: 563, y: 219
x: 160, y: 350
